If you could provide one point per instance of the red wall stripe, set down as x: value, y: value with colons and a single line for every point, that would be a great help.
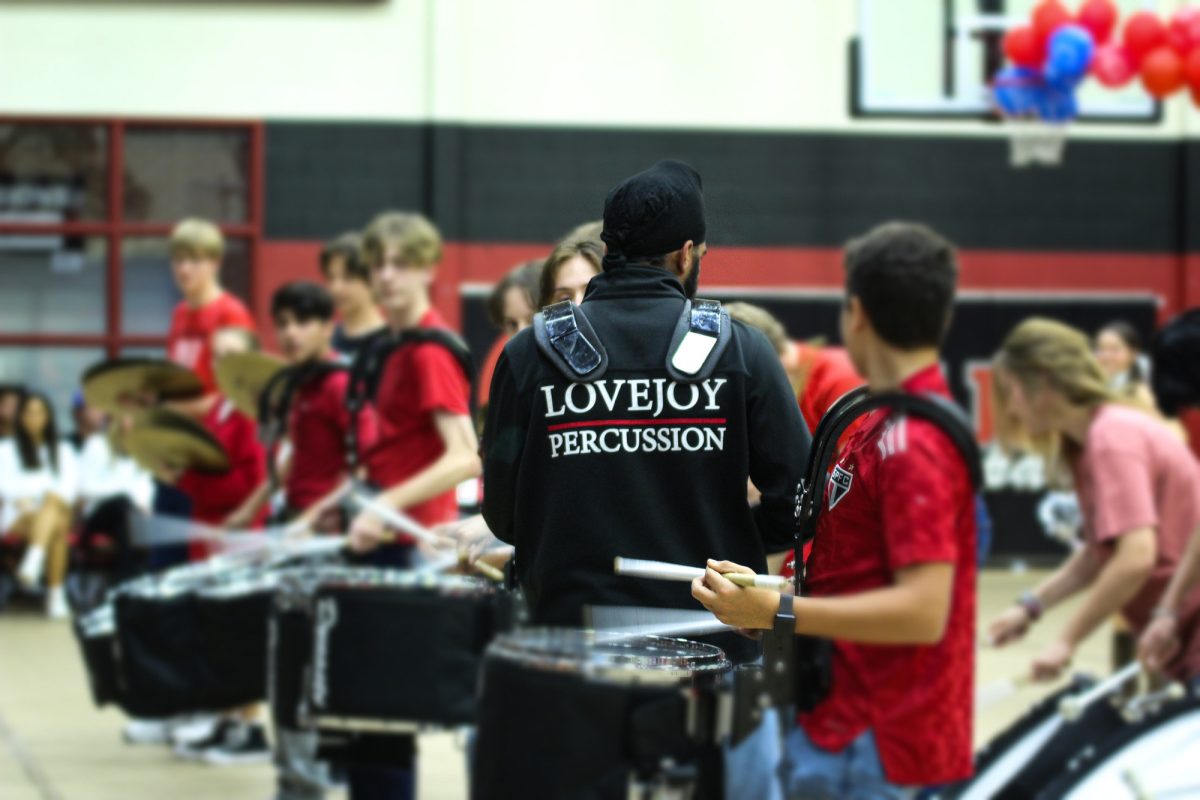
x: 1173, y: 278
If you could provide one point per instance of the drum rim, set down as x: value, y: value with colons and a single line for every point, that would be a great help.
x: 508, y: 648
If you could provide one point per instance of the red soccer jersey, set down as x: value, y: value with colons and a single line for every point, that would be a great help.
x: 417, y: 381
x: 189, y: 341
x: 317, y: 426
x: 900, y: 495
x: 215, y: 496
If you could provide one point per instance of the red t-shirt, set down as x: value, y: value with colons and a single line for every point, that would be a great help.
x: 189, y: 341
x: 483, y: 382
x: 417, y: 381
x: 215, y: 496
x: 900, y: 495
x: 317, y: 426
x: 1134, y: 472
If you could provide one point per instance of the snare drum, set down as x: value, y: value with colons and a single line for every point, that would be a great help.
x: 194, y: 639
x: 566, y: 717
x: 398, y: 651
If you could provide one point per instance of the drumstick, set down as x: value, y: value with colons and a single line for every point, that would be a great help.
x: 396, y: 518
x: 488, y: 571
x: 1071, y: 708
x: 668, y: 629
x: 664, y: 571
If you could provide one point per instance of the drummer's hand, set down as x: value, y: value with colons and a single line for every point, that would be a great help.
x: 749, y: 608
x: 1008, y: 627
x: 1159, y: 643
x: 366, y: 532
x: 1053, y: 660
x: 471, y: 536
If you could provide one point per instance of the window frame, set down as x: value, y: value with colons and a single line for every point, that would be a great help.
x: 115, y: 229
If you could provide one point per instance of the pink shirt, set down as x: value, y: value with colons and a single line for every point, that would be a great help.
x: 1134, y: 473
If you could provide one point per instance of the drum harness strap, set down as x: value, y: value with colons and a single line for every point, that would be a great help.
x: 568, y: 341
x: 367, y: 370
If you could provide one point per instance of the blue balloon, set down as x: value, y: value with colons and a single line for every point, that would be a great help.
x: 1055, y: 104
x: 1013, y: 89
x: 1069, y: 55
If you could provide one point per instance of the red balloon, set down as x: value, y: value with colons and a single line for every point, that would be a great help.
x: 1143, y: 32
x: 1162, y: 72
x: 1112, y: 66
x: 1191, y: 71
x: 1024, y: 48
x: 1183, y: 31
x: 1099, y: 17
x: 1049, y: 16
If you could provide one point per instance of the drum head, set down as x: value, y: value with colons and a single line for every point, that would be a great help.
x: 632, y: 660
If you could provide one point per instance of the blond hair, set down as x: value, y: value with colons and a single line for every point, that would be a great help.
x: 1043, y: 353
x: 197, y: 238
x: 418, y: 240
x: 762, y: 320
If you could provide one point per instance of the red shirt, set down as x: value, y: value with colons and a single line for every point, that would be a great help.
x: 417, y: 381
x: 189, y: 341
x: 215, y: 496
x: 900, y: 495
x: 830, y: 375
x: 317, y: 426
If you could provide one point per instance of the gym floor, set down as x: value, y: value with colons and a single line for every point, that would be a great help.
x: 54, y: 745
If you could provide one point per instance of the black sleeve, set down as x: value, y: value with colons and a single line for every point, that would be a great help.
x: 779, y: 443
x: 503, y: 441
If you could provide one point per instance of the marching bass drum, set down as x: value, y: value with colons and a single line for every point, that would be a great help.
x: 565, y: 716
x: 1158, y: 757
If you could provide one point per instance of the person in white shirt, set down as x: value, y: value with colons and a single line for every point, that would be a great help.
x: 38, y: 487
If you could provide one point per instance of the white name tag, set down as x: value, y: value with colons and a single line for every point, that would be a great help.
x: 693, y: 352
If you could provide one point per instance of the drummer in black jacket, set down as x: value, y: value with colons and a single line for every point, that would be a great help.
x: 628, y: 425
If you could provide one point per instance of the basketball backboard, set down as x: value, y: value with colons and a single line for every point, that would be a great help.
x: 933, y: 59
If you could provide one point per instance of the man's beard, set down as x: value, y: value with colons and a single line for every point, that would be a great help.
x: 692, y: 282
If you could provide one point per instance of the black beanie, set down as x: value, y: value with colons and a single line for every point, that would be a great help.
x: 1175, y: 355
x: 653, y: 213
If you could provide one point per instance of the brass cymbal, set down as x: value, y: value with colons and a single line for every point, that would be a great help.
x: 242, y: 377
x: 160, y: 436
x: 120, y: 384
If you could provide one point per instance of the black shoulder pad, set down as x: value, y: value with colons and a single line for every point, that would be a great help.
x: 701, y: 335
x: 567, y: 339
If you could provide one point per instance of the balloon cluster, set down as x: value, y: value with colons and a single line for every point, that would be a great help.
x: 1056, y: 51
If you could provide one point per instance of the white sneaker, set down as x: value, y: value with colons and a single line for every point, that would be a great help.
x: 193, y: 728
x: 29, y: 574
x: 56, y: 603
x: 146, y: 731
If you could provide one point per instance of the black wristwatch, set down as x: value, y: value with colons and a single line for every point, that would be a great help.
x: 785, y: 617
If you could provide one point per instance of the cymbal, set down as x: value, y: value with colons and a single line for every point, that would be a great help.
x: 114, y: 384
x: 161, y: 436
x: 241, y: 377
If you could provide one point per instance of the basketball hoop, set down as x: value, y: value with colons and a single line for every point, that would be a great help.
x: 1034, y: 142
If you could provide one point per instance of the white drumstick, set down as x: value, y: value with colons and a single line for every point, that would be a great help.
x: 1071, y: 708
x: 668, y: 629
x: 664, y: 571
x: 396, y: 518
